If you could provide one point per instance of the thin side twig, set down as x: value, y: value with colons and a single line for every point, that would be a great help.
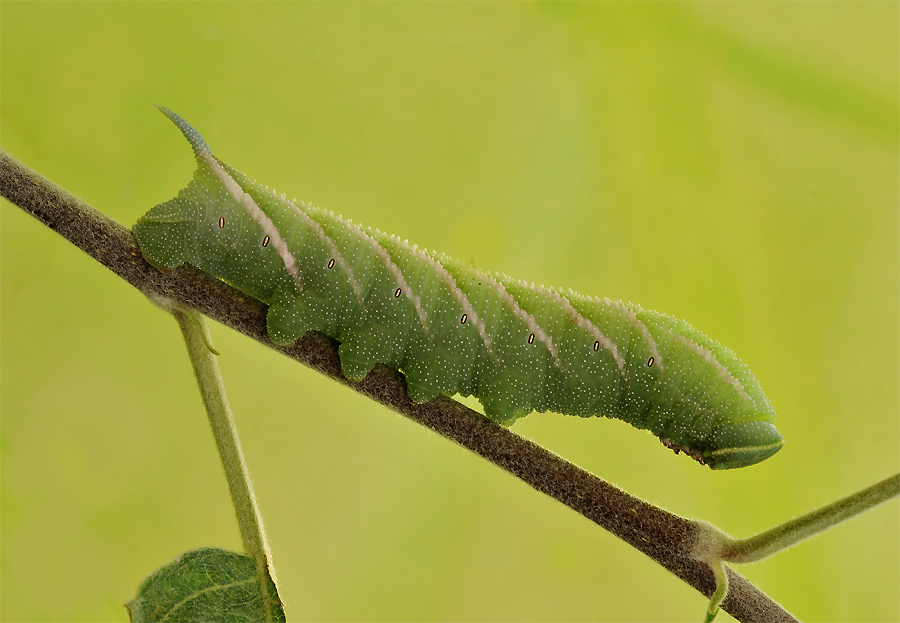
x: 664, y: 537
x: 243, y: 498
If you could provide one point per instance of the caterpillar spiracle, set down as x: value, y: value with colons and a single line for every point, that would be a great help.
x: 452, y: 328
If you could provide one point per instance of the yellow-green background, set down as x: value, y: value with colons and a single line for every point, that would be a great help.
x: 733, y: 164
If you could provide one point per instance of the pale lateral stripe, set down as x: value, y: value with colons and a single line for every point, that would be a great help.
x: 722, y: 451
x: 530, y: 320
x: 392, y: 267
x: 641, y: 327
x: 709, y: 358
x: 268, y: 227
x: 332, y: 248
x: 587, y: 325
x: 455, y: 290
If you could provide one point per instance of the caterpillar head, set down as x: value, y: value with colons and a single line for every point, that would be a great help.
x: 733, y: 445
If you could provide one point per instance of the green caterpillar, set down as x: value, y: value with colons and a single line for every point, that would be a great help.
x: 451, y: 328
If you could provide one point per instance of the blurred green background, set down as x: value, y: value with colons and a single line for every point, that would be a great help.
x: 734, y: 164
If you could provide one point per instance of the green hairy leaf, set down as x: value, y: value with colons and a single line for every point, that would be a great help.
x: 207, y: 584
x: 452, y: 328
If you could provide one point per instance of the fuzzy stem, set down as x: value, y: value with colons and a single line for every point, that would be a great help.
x: 792, y: 532
x: 714, y: 547
x: 253, y: 534
x: 719, y: 570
